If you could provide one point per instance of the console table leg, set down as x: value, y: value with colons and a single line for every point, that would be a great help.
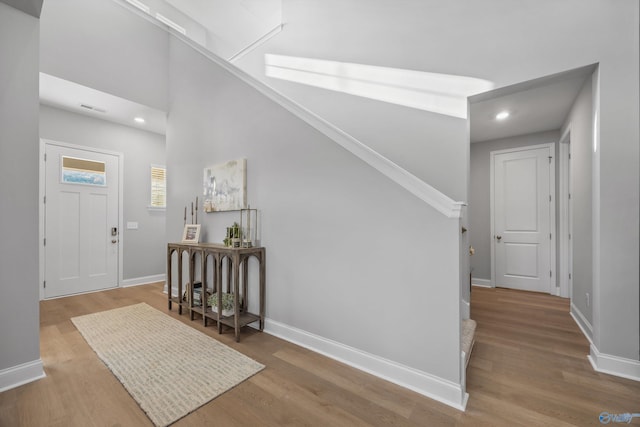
x: 203, y: 289
x: 219, y: 289
x: 169, y: 274
x: 263, y: 279
x: 180, y: 282
x: 236, y: 296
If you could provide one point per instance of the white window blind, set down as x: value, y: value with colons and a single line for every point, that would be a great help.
x: 158, y: 187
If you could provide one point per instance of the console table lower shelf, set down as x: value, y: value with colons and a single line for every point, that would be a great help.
x: 237, y: 269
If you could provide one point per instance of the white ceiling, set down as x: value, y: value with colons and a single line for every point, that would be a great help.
x: 71, y: 96
x: 534, y: 106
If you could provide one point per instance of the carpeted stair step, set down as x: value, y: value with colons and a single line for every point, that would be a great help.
x: 468, y: 333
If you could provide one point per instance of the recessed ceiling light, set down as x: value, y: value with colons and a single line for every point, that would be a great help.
x: 139, y: 119
x: 502, y: 115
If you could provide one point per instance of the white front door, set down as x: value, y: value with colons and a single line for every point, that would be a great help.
x: 521, y: 211
x: 81, y: 220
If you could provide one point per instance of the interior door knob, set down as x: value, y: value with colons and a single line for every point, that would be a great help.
x: 498, y: 237
x: 114, y: 241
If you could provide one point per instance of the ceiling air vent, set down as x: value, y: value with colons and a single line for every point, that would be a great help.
x: 92, y: 108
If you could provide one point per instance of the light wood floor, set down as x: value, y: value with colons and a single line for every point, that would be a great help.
x: 528, y: 367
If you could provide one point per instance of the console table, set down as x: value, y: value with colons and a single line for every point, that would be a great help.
x: 236, y: 279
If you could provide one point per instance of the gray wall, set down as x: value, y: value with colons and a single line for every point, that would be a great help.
x: 348, y: 250
x: 19, y: 310
x: 144, y: 249
x: 101, y: 45
x: 479, y: 194
x: 31, y: 7
x: 430, y: 146
x: 452, y: 37
x: 581, y: 122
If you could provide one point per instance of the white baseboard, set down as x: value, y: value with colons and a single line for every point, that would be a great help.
x: 582, y: 322
x: 465, y: 309
x: 614, y: 365
x: 21, y: 374
x: 174, y: 290
x: 483, y: 283
x: 436, y: 388
x: 145, y: 280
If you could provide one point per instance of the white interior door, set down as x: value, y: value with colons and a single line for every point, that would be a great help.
x: 522, y: 209
x: 81, y: 220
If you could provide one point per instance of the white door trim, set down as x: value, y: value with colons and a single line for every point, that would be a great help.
x: 41, y: 207
x: 552, y: 216
x: 565, y: 256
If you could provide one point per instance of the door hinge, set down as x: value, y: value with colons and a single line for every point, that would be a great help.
x: 569, y: 236
x: 569, y: 196
x: 44, y: 199
x: 550, y: 274
x: 549, y: 197
x: 45, y: 241
x: 550, y: 159
x: 44, y: 283
x: 45, y: 157
x: 569, y: 276
x: 569, y: 156
x: 549, y: 236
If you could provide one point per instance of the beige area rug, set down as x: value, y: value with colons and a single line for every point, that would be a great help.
x: 169, y: 368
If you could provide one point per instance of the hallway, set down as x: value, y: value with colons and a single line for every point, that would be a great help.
x: 529, y: 365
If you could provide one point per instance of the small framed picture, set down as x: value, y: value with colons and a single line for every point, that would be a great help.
x: 191, y: 233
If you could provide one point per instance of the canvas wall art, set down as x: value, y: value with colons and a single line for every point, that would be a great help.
x: 225, y: 186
